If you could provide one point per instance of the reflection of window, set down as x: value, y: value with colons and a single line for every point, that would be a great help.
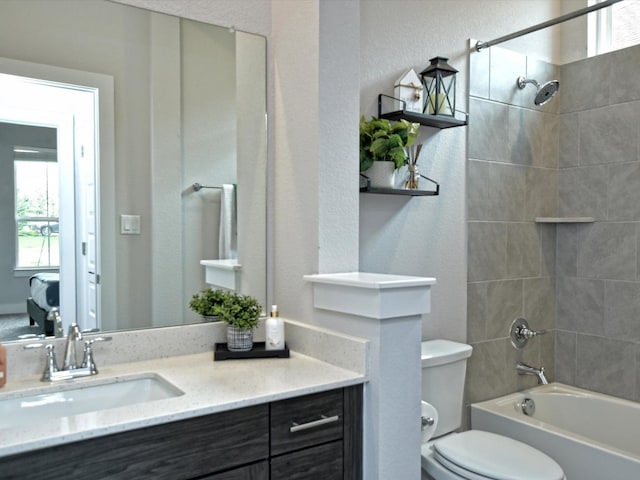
x: 615, y: 27
x: 37, y: 214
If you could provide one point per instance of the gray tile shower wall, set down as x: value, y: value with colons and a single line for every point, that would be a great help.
x: 512, y: 178
x: 598, y: 281
x: 579, y: 155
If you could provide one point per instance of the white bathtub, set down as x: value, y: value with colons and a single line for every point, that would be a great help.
x: 592, y: 436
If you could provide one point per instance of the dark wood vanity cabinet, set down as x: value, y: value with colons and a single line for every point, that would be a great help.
x: 317, y: 436
x: 307, y: 437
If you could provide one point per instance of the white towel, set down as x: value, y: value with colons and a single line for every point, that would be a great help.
x: 228, y: 242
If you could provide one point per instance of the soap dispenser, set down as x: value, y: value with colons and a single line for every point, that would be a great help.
x: 274, y: 331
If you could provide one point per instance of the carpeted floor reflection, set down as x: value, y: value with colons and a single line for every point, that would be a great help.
x: 12, y: 326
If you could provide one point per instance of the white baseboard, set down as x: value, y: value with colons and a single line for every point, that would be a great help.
x: 11, y: 308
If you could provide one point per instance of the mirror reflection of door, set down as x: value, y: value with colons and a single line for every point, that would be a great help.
x: 55, y: 198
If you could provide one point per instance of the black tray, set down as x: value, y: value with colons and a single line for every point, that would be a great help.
x: 221, y: 352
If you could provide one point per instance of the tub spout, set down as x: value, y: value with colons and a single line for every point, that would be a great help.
x: 524, y: 369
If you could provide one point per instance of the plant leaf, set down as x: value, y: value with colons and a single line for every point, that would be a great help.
x: 382, y: 140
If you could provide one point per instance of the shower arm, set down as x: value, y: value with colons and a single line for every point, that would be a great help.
x: 522, y: 82
x: 549, y: 23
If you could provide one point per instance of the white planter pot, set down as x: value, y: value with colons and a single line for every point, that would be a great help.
x: 381, y: 174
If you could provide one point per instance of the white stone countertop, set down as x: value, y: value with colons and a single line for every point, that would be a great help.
x: 209, y: 386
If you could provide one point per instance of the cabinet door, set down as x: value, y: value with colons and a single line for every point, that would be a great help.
x: 257, y: 471
x: 321, y: 462
x: 172, y: 451
x: 306, y: 421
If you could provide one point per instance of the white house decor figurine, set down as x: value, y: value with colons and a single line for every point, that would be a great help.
x: 408, y: 88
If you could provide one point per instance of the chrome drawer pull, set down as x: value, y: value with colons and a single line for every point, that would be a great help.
x: 316, y: 423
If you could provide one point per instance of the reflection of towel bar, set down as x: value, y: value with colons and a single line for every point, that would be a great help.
x: 197, y: 187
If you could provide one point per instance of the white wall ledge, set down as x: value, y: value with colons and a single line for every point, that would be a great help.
x: 372, y: 295
x: 370, y: 280
x: 222, y: 273
x: 230, y: 264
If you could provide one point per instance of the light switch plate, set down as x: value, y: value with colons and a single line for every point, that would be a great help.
x: 130, y: 224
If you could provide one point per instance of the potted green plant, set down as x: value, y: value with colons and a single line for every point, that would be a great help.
x: 205, y: 302
x: 241, y: 312
x: 382, y: 148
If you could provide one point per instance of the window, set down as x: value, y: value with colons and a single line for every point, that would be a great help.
x: 37, y: 211
x: 615, y: 27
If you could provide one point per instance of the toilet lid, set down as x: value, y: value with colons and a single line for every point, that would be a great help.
x: 475, y: 454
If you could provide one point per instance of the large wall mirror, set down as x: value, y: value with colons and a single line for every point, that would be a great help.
x: 131, y: 109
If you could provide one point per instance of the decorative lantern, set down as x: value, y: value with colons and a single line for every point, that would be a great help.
x: 439, y: 80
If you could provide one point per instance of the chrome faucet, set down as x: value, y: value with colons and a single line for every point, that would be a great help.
x: 70, y: 367
x: 73, y: 335
x: 524, y: 369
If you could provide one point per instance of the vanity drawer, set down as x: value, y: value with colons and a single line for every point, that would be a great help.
x: 256, y: 471
x: 324, y: 461
x: 306, y: 421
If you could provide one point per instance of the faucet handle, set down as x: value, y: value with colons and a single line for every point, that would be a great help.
x: 51, y: 364
x: 88, y: 360
x: 527, y: 333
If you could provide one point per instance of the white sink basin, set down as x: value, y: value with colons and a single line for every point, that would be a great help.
x: 73, y: 399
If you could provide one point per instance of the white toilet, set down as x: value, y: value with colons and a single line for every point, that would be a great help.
x: 473, y: 454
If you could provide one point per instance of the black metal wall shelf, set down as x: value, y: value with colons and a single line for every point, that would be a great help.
x: 437, y: 121
x: 398, y: 191
x: 407, y: 192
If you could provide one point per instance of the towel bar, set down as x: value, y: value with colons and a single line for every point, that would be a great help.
x: 197, y: 186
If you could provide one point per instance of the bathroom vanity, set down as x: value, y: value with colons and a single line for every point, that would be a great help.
x: 312, y: 436
x: 267, y: 418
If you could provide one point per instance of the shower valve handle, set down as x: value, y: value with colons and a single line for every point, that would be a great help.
x: 521, y: 333
x: 525, y: 332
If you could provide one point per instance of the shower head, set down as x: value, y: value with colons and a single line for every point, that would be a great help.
x: 544, y: 92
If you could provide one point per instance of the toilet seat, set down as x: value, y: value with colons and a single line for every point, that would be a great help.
x: 479, y: 455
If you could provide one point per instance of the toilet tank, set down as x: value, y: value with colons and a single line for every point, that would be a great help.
x: 444, y: 364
